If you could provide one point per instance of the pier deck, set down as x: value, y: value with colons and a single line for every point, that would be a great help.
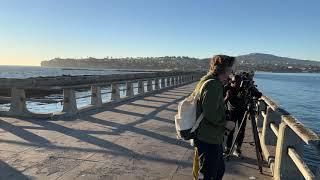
x: 134, y: 139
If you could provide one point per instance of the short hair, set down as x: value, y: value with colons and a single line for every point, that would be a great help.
x: 220, y: 63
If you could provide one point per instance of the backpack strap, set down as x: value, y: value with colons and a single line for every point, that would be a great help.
x: 197, y: 97
x: 198, y: 93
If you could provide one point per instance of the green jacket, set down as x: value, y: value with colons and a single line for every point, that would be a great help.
x: 212, y: 126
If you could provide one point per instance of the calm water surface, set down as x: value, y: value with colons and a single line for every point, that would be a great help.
x: 22, y: 72
x: 299, y: 94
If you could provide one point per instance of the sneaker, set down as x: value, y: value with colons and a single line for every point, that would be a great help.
x: 237, y: 153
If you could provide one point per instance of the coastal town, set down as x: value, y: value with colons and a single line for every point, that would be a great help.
x: 256, y: 61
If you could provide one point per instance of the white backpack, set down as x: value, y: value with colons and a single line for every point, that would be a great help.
x: 186, y: 120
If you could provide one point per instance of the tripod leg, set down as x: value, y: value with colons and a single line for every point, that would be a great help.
x: 256, y: 142
x: 237, y: 135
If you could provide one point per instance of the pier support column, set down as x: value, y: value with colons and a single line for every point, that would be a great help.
x: 156, y: 84
x: 163, y: 83
x: 149, y: 85
x: 176, y: 80
x: 284, y: 166
x: 168, y: 81
x: 69, y: 102
x: 18, y: 102
x: 115, y: 92
x: 96, y: 99
x: 130, y: 90
x: 141, y: 86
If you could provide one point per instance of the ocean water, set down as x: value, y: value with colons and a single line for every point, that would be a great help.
x: 299, y: 94
x: 22, y: 72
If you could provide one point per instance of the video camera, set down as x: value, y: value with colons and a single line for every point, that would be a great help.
x: 247, y: 88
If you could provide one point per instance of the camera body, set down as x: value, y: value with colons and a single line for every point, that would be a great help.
x: 247, y: 88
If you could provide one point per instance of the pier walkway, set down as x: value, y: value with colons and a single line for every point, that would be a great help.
x: 133, y: 139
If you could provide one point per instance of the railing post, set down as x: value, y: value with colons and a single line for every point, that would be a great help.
x: 177, y: 80
x: 130, y: 90
x: 156, y: 84
x: 18, y: 102
x: 172, y: 81
x: 168, y: 81
x: 141, y: 86
x: 163, y: 84
x: 149, y: 85
x: 284, y: 167
x: 180, y: 79
x: 115, y: 91
x: 96, y: 99
x: 69, y: 102
x: 268, y: 136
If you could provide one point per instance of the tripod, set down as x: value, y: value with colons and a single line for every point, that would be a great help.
x: 249, y: 115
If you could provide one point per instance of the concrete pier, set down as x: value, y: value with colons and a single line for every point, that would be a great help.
x: 134, y: 139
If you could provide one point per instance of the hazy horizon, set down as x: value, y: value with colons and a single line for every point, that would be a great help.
x: 37, y: 30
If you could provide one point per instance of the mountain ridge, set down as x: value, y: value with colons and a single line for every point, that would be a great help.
x: 252, y: 61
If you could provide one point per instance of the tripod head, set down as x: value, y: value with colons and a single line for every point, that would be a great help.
x: 249, y: 93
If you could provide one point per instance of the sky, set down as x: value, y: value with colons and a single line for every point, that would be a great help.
x: 35, y: 30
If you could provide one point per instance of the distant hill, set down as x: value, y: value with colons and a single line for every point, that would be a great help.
x: 253, y: 61
x: 260, y: 58
x: 268, y: 62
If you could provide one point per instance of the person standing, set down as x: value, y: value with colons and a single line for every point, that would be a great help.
x: 209, y: 135
x: 236, y: 108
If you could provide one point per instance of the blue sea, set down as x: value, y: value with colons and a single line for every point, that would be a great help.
x: 22, y: 72
x: 298, y: 93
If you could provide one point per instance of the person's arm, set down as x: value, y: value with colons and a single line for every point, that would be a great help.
x: 211, y: 97
x: 228, y: 95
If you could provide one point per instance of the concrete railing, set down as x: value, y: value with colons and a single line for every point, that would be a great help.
x: 282, y: 140
x: 147, y: 83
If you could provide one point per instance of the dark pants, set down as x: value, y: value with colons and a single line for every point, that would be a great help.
x: 211, y: 161
x: 237, y: 116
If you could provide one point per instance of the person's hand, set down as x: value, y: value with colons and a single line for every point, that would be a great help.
x: 230, y: 125
x: 228, y: 95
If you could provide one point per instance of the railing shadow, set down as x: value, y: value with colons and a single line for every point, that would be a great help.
x: 37, y: 141
x: 8, y: 172
x: 22, y: 133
